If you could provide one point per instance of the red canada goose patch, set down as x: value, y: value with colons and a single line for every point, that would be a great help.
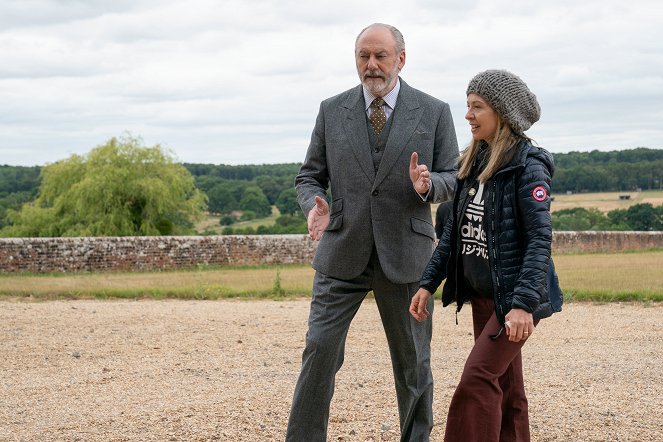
x: 539, y: 193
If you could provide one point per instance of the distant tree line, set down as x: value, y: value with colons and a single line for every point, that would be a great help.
x: 247, y: 188
x: 246, y: 192
x: 615, y: 171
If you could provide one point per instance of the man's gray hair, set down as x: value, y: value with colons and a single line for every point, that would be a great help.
x: 398, y: 37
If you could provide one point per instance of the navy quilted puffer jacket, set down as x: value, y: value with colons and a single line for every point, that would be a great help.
x: 519, y: 235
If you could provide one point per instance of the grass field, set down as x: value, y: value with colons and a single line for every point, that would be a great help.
x: 211, y: 222
x: 203, y: 283
x: 606, y: 201
x: 612, y: 277
x: 597, y: 277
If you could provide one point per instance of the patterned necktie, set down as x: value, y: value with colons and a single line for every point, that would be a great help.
x: 378, y: 118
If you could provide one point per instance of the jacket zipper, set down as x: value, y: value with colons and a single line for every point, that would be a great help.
x: 497, y: 291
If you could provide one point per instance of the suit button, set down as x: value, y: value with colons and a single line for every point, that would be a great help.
x: 377, y: 150
x: 375, y: 192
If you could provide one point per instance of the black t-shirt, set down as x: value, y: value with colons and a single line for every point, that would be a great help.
x: 474, y: 243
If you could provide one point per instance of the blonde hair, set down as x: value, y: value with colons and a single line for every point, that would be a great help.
x: 501, y: 149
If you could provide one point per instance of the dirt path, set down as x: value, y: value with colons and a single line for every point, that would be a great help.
x: 225, y: 370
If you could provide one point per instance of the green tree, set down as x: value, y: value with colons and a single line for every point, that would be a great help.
x: 618, y: 219
x: 227, y: 220
x: 644, y: 217
x: 571, y: 219
x: 19, y: 179
x: 221, y: 199
x: 254, y: 199
x: 118, y: 189
x: 287, y: 202
x: 290, y: 224
x: 248, y: 215
x: 13, y: 201
x: 270, y: 186
x: 579, y: 218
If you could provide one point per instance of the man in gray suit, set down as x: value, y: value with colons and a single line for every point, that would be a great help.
x: 384, y: 161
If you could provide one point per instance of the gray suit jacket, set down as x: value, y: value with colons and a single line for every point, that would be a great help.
x: 381, y: 208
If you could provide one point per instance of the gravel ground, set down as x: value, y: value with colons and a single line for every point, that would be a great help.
x: 225, y: 370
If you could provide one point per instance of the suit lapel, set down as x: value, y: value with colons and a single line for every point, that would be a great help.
x: 406, y: 118
x: 357, y: 131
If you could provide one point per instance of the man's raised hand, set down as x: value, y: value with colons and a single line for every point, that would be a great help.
x: 419, y: 175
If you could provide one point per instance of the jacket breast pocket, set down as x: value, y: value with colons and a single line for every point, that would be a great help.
x: 421, y: 134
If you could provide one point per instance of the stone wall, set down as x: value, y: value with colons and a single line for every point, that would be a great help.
x: 101, y: 254
x: 605, y: 242
x: 105, y: 254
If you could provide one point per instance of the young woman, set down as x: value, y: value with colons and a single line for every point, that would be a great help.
x: 495, y: 253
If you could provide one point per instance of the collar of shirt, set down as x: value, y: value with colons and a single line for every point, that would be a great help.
x: 389, y: 99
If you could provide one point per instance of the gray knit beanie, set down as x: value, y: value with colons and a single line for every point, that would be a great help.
x: 509, y: 96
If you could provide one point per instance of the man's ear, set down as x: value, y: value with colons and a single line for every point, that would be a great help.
x: 401, y: 60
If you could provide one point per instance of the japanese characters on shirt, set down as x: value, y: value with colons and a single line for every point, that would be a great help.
x: 472, y: 232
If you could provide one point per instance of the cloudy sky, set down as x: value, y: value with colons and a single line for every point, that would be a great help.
x: 240, y: 81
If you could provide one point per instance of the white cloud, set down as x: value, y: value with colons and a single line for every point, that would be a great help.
x: 240, y: 81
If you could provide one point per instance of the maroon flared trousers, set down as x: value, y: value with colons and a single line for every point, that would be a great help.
x: 489, y: 403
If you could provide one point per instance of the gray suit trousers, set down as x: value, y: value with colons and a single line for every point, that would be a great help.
x: 334, y: 304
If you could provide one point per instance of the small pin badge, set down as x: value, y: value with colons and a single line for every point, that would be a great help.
x: 472, y: 191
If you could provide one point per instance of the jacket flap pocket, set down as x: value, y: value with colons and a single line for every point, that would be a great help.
x: 423, y: 227
x: 336, y: 206
x: 335, y: 222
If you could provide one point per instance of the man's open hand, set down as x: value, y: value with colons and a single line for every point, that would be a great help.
x: 318, y: 218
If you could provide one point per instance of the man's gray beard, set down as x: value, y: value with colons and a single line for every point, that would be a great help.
x: 378, y: 89
x: 375, y: 89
